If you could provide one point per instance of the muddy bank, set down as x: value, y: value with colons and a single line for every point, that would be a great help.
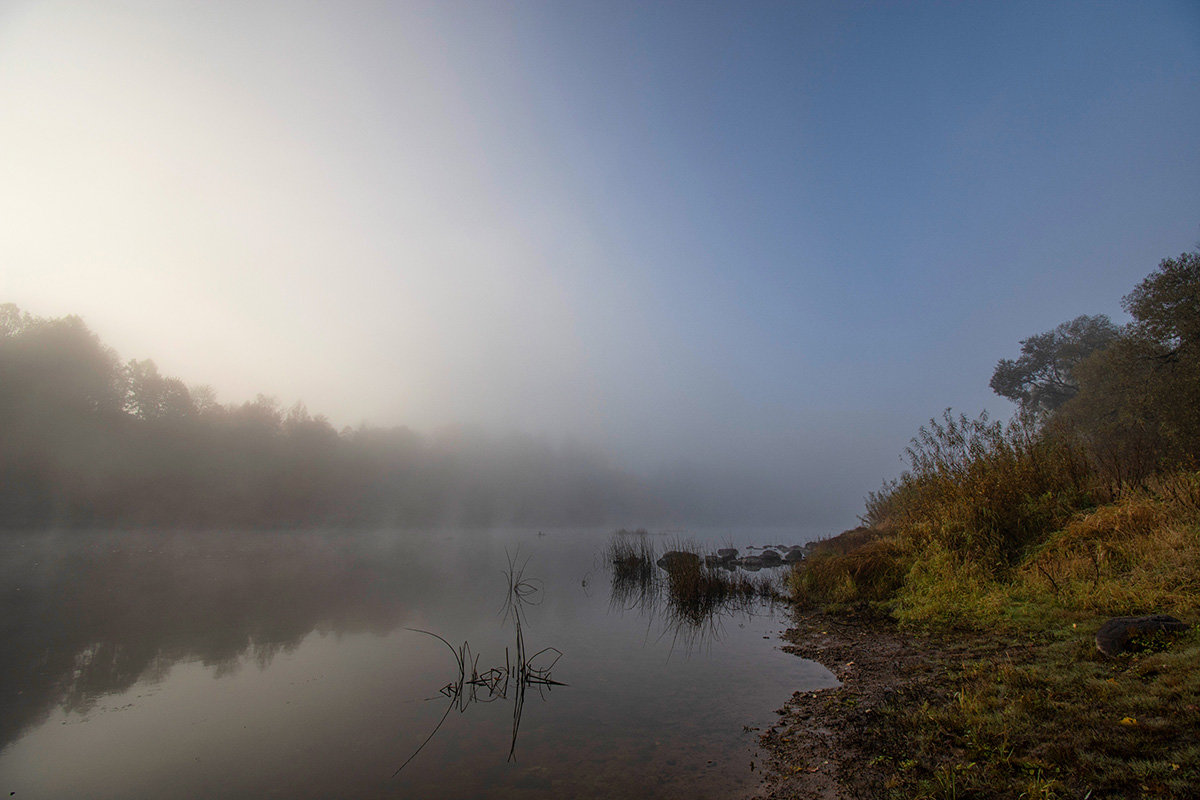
x: 842, y: 742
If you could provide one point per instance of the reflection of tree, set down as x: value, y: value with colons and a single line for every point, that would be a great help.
x: 91, y: 615
x: 518, y: 674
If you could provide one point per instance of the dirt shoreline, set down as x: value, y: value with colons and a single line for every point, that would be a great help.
x: 841, y: 743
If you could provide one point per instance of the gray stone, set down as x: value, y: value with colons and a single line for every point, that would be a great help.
x: 751, y: 563
x: 770, y: 557
x: 1123, y: 633
x: 728, y: 553
x: 794, y: 555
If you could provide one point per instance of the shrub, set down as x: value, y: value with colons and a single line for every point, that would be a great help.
x: 986, y: 490
x: 872, y: 571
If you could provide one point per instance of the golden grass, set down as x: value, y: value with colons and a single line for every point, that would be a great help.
x: 1059, y: 720
x: 1138, y: 555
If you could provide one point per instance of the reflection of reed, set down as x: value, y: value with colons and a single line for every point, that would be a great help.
x: 635, y: 579
x: 691, y: 595
x: 520, y: 670
x: 524, y: 672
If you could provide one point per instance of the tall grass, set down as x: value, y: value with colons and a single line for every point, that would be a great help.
x: 991, y: 519
x: 631, y: 558
x: 1137, y: 555
x: 984, y: 489
x: 871, y: 571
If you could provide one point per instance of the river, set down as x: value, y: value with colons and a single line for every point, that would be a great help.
x: 326, y: 664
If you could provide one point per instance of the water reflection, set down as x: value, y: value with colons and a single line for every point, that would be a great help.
x: 87, y: 616
x: 519, y: 673
x: 252, y: 665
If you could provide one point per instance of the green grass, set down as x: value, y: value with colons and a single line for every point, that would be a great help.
x: 1034, y: 711
x: 1057, y: 721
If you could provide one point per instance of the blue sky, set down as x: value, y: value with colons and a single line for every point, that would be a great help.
x: 766, y: 240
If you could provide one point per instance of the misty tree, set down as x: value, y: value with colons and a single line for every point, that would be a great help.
x: 57, y: 366
x: 1166, y: 305
x: 153, y: 397
x: 1138, y: 406
x: 89, y: 441
x: 1042, y: 378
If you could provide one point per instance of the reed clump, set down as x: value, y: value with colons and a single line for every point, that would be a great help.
x: 696, y: 590
x: 693, y: 590
x: 631, y: 557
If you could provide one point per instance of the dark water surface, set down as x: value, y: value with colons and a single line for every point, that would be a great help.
x: 282, y: 665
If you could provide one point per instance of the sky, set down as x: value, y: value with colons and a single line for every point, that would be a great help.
x: 758, y: 242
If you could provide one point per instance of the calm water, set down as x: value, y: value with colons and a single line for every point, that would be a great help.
x: 283, y: 665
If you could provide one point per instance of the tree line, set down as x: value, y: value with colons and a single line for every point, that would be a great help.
x: 1128, y: 396
x: 87, y: 440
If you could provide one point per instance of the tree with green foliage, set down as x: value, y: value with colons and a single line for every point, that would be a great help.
x: 1166, y: 306
x: 1138, y: 405
x: 1042, y: 378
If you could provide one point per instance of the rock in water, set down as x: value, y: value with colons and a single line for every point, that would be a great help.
x: 728, y: 553
x: 677, y: 557
x: 770, y: 558
x: 1122, y: 633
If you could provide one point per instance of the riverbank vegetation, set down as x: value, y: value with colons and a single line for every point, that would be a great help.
x: 1032, y: 532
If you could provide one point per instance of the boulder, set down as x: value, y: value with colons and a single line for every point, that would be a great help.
x: 751, y: 563
x: 728, y: 553
x: 770, y: 557
x: 794, y: 555
x: 1123, y: 633
x: 673, y: 558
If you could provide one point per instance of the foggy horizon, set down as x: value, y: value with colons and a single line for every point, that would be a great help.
x: 750, y: 247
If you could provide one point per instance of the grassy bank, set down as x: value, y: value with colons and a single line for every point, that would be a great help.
x: 1034, y: 710
x: 1009, y: 544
